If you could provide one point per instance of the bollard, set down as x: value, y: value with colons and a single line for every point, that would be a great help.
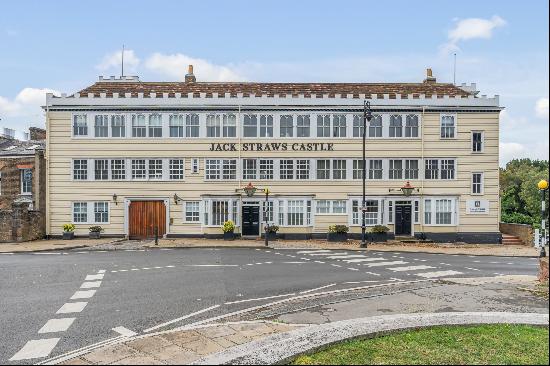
x: 156, y: 235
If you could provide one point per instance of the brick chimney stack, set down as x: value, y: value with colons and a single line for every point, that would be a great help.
x: 189, y: 77
x: 430, y: 79
x: 37, y: 133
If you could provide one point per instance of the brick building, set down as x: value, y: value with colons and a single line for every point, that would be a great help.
x: 22, y: 188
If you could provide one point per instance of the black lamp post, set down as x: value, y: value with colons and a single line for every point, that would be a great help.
x: 367, y: 116
x: 543, y: 187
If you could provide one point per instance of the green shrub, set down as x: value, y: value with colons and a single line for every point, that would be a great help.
x: 228, y: 226
x: 379, y: 229
x: 272, y: 228
x: 339, y: 229
x: 95, y: 229
x: 68, y: 228
x: 517, y: 218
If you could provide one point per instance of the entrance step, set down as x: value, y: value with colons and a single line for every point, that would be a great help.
x: 508, y: 239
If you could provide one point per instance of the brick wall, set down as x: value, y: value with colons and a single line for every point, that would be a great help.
x: 20, y: 224
x: 11, y: 179
x: 524, y: 232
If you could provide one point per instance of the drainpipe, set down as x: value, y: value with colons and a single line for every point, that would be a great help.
x: 420, y: 204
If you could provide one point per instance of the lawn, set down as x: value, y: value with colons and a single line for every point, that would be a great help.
x: 484, y: 344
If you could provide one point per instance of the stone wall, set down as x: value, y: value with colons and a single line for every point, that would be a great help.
x: 543, y: 271
x: 524, y: 232
x: 20, y: 224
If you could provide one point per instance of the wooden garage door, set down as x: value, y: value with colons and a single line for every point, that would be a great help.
x: 144, y: 217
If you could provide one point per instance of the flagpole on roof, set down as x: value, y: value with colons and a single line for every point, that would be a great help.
x: 122, y: 60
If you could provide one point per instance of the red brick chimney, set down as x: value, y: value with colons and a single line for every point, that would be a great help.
x: 430, y: 79
x: 189, y: 77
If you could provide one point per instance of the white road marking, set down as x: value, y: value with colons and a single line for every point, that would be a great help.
x: 326, y: 254
x: 359, y: 260
x: 123, y: 270
x: 259, y: 299
x: 336, y: 265
x: 313, y: 251
x: 134, y: 269
x: 124, y: 331
x: 346, y: 256
x: 357, y: 282
x: 56, y: 325
x: 321, y: 262
x: 382, y: 264
x: 438, y: 274
x: 317, y: 289
x: 294, y: 262
x: 36, y: 349
x: 93, y: 284
x: 353, y: 269
x: 409, y: 268
x: 157, y: 267
x: 94, y: 277
x: 6, y: 253
x: 170, y: 266
x: 372, y: 273
x: 101, y: 271
x: 472, y: 269
x: 47, y: 253
x: 83, y: 294
x: 146, y: 268
x: 305, y: 259
x: 182, y: 318
x: 114, y: 271
x: 72, y: 307
x: 445, y: 264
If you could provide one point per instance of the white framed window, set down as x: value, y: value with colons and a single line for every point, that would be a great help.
x: 431, y: 170
x: 266, y: 169
x: 80, y: 125
x: 286, y: 126
x: 302, y: 126
x: 447, y: 169
x: 176, y: 125
x: 358, y: 126
x: 155, y: 169
x: 477, y: 183
x: 396, y: 125
x: 448, y: 126
x: 80, y: 212
x: 323, y: 126
x: 195, y: 166
x: 101, y: 125
x: 192, y: 126
x: 213, y: 125
x: 411, y: 125
x: 267, y: 211
x: 375, y: 126
x: 358, y: 169
x: 249, y: 167
x: 375, y: 169
x: 118, y: 126
x: 322, y: 207
x: 139, y: 169
x: 478, y: 143
x: 295, y: 213
x: 177, y: 169
x: 411, y: 169
x: 229, y: 125
x: 101, y: 169
x: 229, y: 169
x: 212, y: 169
x: 323, y: 169
x: 372, y: 212
x: 218, y: 211
x: 302, y: 169
x: 339, y: 169
x: 440, y: 211
x: 225, y: 169
x: 90, y: 212
x: 101, y: 212
x: 390, y: 212
x: 250, y: 125
x: 80, y: 169
x: 118, y: 169
x: 286, y: 169
x: 155, y: 125
x: 192, y: 212
x: 331, y: 207
x: 139, y: 125
x: 396, y: 169
x: 339, y: 125
x: 416, y: 210
x: 26, y: 181
x: 266, y: 125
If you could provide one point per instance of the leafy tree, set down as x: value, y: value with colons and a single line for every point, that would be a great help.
x: 520, y: 196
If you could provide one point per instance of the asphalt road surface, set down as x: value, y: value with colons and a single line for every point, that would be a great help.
x: 56, y: 302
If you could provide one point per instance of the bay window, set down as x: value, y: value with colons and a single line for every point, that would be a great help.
x: 440, y: 211
x: 229, y: 125
x: 139, y: 125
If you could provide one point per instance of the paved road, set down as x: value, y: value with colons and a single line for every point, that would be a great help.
x: 160, y: 289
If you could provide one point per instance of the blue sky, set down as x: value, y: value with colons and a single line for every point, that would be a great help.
x: 500, y: 45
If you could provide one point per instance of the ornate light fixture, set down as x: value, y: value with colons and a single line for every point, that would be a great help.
x: 115, y: 198
x: 250, y: 190
x: 177, y: 198
x: 407, y: 189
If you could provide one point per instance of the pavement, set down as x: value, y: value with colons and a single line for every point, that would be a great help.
x: 62, y: 301
x: 53, y: 244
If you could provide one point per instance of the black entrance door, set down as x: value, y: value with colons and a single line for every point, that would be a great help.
x: 403, y: 222
x: 251, y: 220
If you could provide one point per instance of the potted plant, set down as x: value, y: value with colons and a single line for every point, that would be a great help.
x: 378, y: 233
x: 338, y: 233
x: 272, y: 232
x: 95, y: 232
x: 68, y: 231
x: 228, y: 230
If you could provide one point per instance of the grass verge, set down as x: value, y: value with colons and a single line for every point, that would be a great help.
x: 452, y: 345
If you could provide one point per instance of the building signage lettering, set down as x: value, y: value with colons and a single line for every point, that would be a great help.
x: 477, y: 207
x: 273, y: 146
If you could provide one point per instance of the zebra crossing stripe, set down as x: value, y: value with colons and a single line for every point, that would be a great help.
x: 326, y: 254
x: 313, y: 251
x: 438, y: 274
x: 346, y: 256
x: 363, y: 260
x: 382, y: 264
x: 410, y: 268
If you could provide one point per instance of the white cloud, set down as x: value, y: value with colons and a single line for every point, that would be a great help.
x: 471, y: 28
x: 175, y: 66
x: 113, y: 61
x: 541, y: 108
x: 27, y: 102
x: 511, y: 150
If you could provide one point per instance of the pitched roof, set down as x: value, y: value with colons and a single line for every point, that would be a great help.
x: 309, y: 90
x: 13, y: 147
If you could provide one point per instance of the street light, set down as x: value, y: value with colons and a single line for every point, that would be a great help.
x: 367, y: 116
x: 250, y: 190
x: 543, y: 187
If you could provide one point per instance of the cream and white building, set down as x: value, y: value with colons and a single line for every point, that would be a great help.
x: 135, y: 157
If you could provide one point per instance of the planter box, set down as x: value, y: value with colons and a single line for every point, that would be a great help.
x: 229, y: 236
x: 337, y: 237
x: 94, y: 235
x: 377, y: 237
x: 68, y: 235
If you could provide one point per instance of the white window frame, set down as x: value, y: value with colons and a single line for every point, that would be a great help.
x: 482, y: 142
x: 358, y: 213
x: 455, y: 126
x: 22, y: 184
x: 90, y: 213
x: 481, y: 184
x: 198, y: 211
x: 330, y: 205
x: 86, y: 125
x: 433, y: 202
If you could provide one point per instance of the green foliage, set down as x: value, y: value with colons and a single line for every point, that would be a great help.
x: 379, y: 229
x: 95, y: 229
x: 68, y: 228
x: 519, y: 194
x: 228, y: 226
x: 272, y: 228
x: 339, y: 229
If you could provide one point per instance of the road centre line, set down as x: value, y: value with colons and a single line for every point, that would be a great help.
x: 83, y: 294
x: 259, y: 299
x: 94, y: 277
x: 72, y: 307
x: 92, y: 284
x: 180, y: 318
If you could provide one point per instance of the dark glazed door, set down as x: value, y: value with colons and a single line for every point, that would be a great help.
x: 251, y: 220
x: 403, y: 222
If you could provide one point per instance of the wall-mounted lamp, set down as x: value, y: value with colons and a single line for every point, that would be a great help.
x: 407, y: 189
x: 115, y: 197
x: 177, y: 198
